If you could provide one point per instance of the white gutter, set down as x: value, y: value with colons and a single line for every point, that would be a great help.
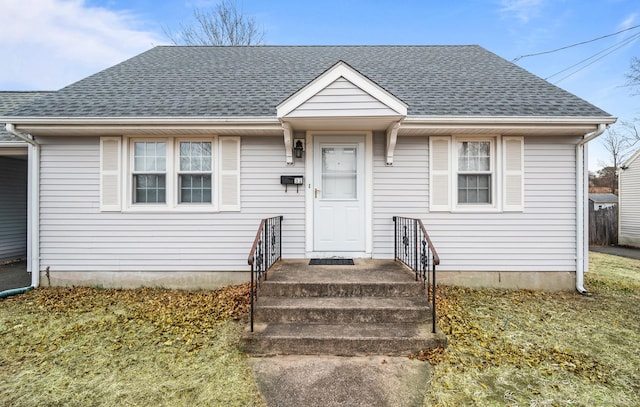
x: 580, y: 121
x: 33, y: 204
x: 144, y: 120
x: 582, y: 227
x: 274, y: 121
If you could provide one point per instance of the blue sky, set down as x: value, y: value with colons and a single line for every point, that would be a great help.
x: 48, y: 44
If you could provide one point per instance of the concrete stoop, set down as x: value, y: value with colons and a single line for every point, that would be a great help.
x: 372, y: 308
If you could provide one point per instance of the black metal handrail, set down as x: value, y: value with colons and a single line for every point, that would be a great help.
x: 413, y: 247
x: 265, y: 251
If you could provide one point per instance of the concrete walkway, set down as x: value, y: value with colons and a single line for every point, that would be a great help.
x: 629, y: 252
x: 329, y: 381
x: 367, y: 379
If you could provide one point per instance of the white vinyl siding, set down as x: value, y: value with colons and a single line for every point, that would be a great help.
x: 342, y: 98
x: 540, y: 239
x: 398, y: 190
x: 13, y: 208
x: 543, y: 238
x: 77, y: 236
x: 629, y: 205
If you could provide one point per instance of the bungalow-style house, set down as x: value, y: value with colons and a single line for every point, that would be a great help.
x: 157, y: 171
x: 13, y: 182
x: 629, y: 207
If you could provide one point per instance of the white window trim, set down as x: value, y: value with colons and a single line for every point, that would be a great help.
x: 446, y: 173
x: 496, y: 184
x: 215, y: 160
x: 171, y: 181
x: 132, y: 172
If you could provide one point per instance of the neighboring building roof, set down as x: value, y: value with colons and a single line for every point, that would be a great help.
x: 10, y: 101
x: 603, y: 198
x: 170, y: 81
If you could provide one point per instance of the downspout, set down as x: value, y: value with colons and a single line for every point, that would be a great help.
x: 33, y: 229
x: 581, y: 221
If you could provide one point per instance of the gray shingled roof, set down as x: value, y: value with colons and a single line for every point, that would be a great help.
x: 603, y: 198
x: 252, y: 81
x: 10, y: 101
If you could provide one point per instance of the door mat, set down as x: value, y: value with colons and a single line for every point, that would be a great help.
x: 331, y: 262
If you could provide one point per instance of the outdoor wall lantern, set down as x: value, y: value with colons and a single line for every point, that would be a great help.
x: 298, y: 149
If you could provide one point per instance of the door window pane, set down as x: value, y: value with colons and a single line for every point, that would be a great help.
x: 339, y: 172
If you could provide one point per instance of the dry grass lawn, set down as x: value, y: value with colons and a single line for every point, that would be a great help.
x: 91, y: 347
x: 543, y: 349
x: 87, y: 346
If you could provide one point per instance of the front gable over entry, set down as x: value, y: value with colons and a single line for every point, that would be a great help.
x: 341, y: 91
x: 342, y: 99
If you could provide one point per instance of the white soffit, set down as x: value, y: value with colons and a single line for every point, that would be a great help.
x: 341, y: 70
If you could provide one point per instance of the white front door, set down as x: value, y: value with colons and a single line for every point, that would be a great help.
x: 339, y: 194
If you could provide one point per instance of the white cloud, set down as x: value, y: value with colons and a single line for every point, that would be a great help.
x: 48, y: 44
x: 523, y: 10
x: 629, y: 21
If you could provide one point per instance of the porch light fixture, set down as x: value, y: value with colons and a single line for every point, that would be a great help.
x: 298, y: 149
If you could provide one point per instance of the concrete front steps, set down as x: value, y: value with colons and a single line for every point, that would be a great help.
x: 371, y: 308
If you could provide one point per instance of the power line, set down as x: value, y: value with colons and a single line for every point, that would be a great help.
x: 610, y: 50
x: 576, y: 44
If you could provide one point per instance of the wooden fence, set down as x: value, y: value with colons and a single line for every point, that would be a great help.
x: 603, y: 226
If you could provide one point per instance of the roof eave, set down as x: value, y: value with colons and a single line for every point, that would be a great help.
x: 507, y: 125
x: 416, y: 120
x: 271, y: 125
x: 145, y: 125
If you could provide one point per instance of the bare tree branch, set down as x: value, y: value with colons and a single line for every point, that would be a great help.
x: 618, y: 142
x: 633, y: 75
x: 224, y: 24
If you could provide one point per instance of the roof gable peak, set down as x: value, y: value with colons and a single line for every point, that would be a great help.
x: 341, y: 70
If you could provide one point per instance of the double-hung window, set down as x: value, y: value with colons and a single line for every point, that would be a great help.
x: 195, y: 172
x: 475, y: 172
x: 170, y: 173
x: 149, y: 175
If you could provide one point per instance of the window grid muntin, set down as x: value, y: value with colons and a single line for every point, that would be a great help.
x: 484, y: 154
x: 169, y: 179
x: 471, y: 192
x: 149, y: 173
x: 195, y: 175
